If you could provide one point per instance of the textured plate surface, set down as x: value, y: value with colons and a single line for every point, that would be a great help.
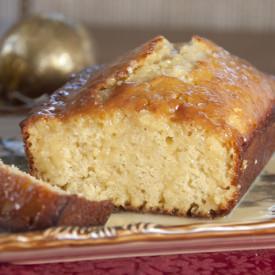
x: 251, y: 225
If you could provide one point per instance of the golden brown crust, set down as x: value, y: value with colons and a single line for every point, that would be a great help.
x: 256, y: 153
x: 25, y: 205
x: 253, y: 156
x: 226, y: 94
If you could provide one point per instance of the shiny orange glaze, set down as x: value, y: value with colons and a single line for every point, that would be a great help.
x: 226, y: 92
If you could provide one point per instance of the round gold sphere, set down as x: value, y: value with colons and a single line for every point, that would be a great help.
x: 39, y: 53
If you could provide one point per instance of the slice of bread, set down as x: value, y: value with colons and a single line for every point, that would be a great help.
x: 29, y: 204
x: 178, y: 129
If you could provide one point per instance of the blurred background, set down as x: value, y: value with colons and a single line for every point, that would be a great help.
x: 245, y: 27
x: 111, y: 27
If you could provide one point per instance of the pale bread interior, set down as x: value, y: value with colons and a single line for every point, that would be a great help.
x: 137, y: 159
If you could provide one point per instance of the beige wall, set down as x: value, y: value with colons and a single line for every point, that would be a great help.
x: 204, y: 14
x: 8, y: 13
x: 225, y: 15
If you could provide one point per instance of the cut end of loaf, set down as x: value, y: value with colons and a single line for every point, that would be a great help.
x: 138, y: 159
x: 139, y: 162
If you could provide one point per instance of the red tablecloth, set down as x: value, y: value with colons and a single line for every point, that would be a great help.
x: 246, y: 262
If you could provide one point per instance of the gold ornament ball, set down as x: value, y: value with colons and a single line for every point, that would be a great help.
x: 39, y: 54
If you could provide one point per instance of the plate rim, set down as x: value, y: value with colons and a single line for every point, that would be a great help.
x: 73, y: 236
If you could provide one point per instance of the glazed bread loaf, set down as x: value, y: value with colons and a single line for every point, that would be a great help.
x: 171, y: 129
x: 29, y: 204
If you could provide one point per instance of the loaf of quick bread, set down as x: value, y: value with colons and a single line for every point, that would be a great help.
x: 29, y: 204
x: 181, y: 130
